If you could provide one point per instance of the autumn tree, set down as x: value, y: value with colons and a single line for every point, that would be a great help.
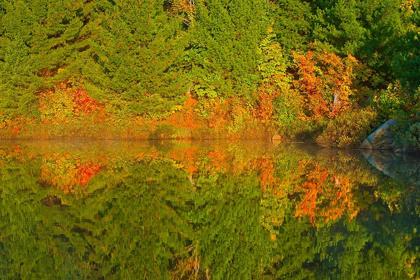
x: 325, y: 83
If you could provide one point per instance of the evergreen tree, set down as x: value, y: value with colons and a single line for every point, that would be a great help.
x: 138, y: 57
x: 366, y: 29
x: 292, y: 23
x: 225, y: 45
x: 406, y: 61
x: 41, y: 43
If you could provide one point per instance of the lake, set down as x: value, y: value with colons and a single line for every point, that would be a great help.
x: 206, y: 210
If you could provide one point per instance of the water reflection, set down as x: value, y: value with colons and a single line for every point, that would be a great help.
x: 201, y: 210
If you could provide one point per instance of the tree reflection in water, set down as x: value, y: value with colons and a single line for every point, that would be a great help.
x: 198, y: 210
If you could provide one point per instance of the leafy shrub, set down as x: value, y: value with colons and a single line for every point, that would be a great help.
x: 348, y: 129
x: 239, y: 115
x: 407, y: 130
x: 324, y: 82
x: 412, y: 136
x: 390, y: 102
x: 163, y: 131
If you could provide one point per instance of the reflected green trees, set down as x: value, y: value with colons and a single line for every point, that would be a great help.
x: 180, y: 210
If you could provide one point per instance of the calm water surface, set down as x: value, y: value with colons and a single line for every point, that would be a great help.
x: 206, y: 210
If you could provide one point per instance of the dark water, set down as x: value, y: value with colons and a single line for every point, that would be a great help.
x: 206, y: 210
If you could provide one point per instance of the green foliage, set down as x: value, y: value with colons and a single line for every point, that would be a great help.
x: 144, y: 59
x: 37, y: 39
x: 292, y: 23
x: 411, y: 137
x: 144, y: 215
x: 349, y: 129
x: 138, y: 56
x: 401, y: 103
x: 407, y: 130
x: 231, y: 244
x: 406, y: 62
x: 224, y: 47
x: 273, y: 65
x: 390, y: 102
x: 368, y: 30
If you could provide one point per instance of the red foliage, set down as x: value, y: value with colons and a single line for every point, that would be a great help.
x: 63, y: 104
x: 67, y: 173
x: 85, y: 172
x: 84, y: 104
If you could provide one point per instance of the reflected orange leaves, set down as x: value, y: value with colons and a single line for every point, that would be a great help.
x: 67, y: 173
x: 315, y: 176
x: 218, y: 160
x: 320, y: 193
x: 266, y: 170
x: 313, y: 190
x: 187, y: 157
x: 323, y: 194
x: 15, y: 152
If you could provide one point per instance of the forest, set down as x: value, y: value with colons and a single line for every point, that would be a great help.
x: 322, y: 71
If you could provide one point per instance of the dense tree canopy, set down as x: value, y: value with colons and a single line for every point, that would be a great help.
x: 245, y: 65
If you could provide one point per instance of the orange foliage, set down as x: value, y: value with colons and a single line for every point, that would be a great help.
x: 311, y: 188
x: 343, y: 201
x: 267, y: 178
x: 323, y: 194
x: 218, y: 114
x: 186, y: 118
x: 186, y: 268
x: 324, y: 82
x: 266, y: 95
x: 182, y: 6
x: 188, y: 158
x: 218, y: 160
x: 14, y: 126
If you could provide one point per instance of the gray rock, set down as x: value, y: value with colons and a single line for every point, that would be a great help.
x: 383, y: 161
x: 405, y: 167
x: 381, y: 139
x: 366, y: 145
